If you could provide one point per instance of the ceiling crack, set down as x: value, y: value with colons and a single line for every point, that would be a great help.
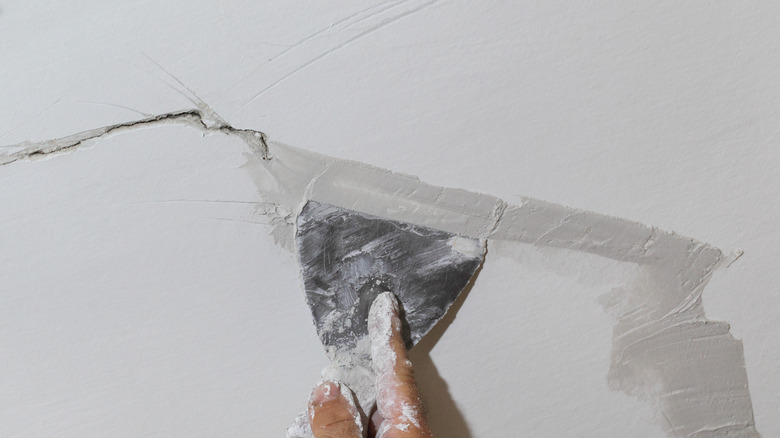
x: 256, y: 140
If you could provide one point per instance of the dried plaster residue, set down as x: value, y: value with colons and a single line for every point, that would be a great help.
x: 664, y: 350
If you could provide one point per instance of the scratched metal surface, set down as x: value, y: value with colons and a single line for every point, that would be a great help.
x: 347, y: 258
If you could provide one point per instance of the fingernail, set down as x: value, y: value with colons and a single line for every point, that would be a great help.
x: 327, y: 391
x: 383, y: 310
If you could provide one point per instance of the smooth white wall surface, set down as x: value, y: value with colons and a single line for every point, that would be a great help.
x: 122, y: 315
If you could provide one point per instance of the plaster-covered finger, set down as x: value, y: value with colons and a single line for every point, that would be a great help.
x: 398, y: 400
x: 333, y: 412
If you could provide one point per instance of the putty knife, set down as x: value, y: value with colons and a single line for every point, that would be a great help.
x: 347, y: 258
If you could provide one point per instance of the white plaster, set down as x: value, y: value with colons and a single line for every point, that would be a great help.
x: 662, y: 113
x: 664, y: 351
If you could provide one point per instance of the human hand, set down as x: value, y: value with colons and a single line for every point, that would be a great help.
x: 399, y: 411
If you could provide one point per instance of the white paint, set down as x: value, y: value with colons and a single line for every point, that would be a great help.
x: 664, y: 113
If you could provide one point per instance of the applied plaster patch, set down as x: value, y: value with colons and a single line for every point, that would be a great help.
x: 664, y: 349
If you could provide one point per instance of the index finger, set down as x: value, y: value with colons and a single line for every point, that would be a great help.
x: 398, y: 399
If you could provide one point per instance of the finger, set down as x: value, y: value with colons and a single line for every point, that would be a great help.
x: 374, y: 423
x: 333, y: 413
x: 398, y: 400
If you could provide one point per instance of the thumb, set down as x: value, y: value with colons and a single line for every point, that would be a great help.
x: 333, y: 413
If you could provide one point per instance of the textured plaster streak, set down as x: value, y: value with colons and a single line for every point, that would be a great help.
x: 664, y: 351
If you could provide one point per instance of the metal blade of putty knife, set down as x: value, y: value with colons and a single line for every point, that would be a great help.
x: 347, y: 258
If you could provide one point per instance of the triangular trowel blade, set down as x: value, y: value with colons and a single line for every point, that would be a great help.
x: 347, y: 258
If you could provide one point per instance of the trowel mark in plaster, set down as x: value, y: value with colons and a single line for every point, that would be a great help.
x: 664, y: 348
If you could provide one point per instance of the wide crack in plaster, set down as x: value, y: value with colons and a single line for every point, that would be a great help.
x: 664, y: 350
